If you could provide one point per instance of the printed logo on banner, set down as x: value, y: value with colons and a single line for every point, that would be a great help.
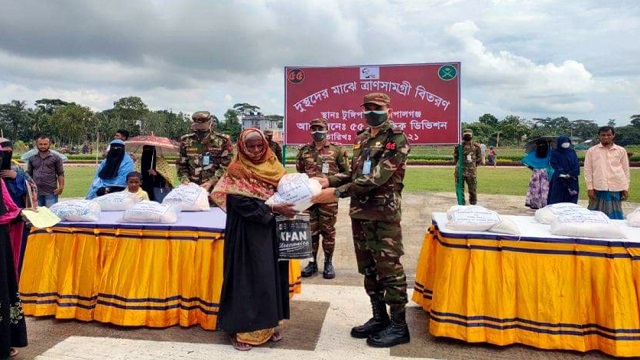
x: 369, y: 73
x: 447, y: 72
x: 295, y: 76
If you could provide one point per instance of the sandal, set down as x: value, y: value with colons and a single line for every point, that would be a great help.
x: 276, y: 337
x: 13, y: 352
x: 240, y: 346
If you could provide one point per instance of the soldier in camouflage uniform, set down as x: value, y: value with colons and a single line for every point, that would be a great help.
x: 375, y: 188
x: 204, y: 154
x: 275, y: 147
x: 472, y: 158
x: 320, y: 158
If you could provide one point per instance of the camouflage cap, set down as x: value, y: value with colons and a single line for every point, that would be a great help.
x: 377, y: 98
x: 318, y: 122
x: 268, y: 132
x: 467, y: 131
x: 201, y: 116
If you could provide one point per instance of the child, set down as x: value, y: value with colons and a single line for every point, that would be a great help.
x: 492, y: 157
x: 134, y: 180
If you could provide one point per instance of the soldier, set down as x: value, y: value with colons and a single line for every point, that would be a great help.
x: 320, y: 158
x: 204, y: 154
x: 375, y: 188
x: 472, y: 158
x: 275, y: 147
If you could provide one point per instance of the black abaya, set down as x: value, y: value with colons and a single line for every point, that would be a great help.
x: 255, y: 290
x: 13, y: 329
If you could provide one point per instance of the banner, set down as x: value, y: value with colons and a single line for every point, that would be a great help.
x: 425, y: 100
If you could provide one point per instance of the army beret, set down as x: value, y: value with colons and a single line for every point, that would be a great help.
x: 201, y: 115
x: 467, y: 131
x: 268, y: 132
x: 318, y: 122
x: 377, y: 98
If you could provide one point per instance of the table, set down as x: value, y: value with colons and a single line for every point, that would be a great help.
x: 546, y: 291
x: 154, y: 275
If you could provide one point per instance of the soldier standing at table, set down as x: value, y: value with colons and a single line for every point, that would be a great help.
x: 204, y: 154
x: 375, y: 188
x: 320, y: 158
x: 275, y: 147
x: 472, y: 157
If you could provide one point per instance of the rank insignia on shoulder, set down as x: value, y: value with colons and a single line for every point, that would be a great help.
x: 192, y: 149
x: 356, y: 146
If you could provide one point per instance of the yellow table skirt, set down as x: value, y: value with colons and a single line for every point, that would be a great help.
x: 574, y: 295
x: 128, y: 277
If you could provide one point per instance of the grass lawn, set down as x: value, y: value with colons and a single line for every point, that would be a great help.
x: 500, y: 180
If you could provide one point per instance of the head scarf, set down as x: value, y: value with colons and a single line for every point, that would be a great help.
x: 147, y: 161
x: 8, y: 209
x: 114, y: 158
x: 125, y: 166
x: 248, y: 175
x: 7, y: 155
x: 538, y: 158
x: 565, y: 160
x: 3, y: 208
x: 542, y: 149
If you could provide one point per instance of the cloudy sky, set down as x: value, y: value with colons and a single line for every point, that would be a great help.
x: 532, y: 58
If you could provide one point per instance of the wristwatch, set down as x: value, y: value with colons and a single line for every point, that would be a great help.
x: 337, y: 193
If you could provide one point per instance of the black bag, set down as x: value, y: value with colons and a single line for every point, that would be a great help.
x: 294, y: 237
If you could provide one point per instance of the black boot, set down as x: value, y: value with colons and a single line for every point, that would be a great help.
x: 395, y: 334
x: 311, y: 268
x: 378, y: 322
x: 329, y: 272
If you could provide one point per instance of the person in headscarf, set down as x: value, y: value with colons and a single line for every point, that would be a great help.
x: 156, y: 174
x: 255, y: 294
x: 564, y: 185
x: 111, y: 175
x: 538, y: 161
x: 18, y: 182
x: 13, y: 329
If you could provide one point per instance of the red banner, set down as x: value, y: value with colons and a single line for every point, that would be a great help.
x: 425, y: 100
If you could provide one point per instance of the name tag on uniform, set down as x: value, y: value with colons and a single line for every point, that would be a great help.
x: 468, y: 157
x: 325, y: 168
x: 366, y: 167
x: 206, y: 160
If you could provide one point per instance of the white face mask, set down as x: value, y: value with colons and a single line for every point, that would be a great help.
x: 566, y: 145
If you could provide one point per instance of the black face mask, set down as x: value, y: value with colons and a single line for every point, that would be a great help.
x: 6, y: 160
x: 319, y: 135
x: 466, y: 138
x: 375, y: 118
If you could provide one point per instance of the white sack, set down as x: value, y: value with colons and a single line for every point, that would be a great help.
x: 594, y: 224
x: 118, y: 201
x: 633, y: 219
x: 189, y: 197
x: 151, y: 212
x: 77, y: 210
x: 471, y: 218
x: 297, y: 189
x: 547, y: 214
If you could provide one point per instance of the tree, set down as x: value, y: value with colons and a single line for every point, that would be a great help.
x: 635, y: 120
x: 513, y: 130
x: 48, y: 106
x: 488, y: 119
x: 244, y: 108
x: 14, y: 119
x: 232, y: 124
x: 612, y: 123
x: 72, y: 122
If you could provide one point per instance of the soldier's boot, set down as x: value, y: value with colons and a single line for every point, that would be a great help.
x: 395, y: 334
x: 311, y: 268
x: 377, y: 323
x: 329, y: 272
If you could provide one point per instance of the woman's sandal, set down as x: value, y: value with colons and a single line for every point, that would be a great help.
x: 276, y: 337
x: 240, y: 346
x: 13, y: 352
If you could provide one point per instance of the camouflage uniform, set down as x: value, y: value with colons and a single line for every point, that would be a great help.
x: 472, y: 158
x: 376, y: 211
x: 194, y: 153
x: 277, y: 149
x: 323, y: 217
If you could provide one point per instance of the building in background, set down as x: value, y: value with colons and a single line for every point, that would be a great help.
x: 255, y: 119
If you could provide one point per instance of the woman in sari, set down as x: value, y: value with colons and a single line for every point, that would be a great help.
x: 13, y: 329
x: 255, y: 289
x: 538, y: 161
x: 111, y: 175
x: 156, y: 174
x: 564, y: 185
